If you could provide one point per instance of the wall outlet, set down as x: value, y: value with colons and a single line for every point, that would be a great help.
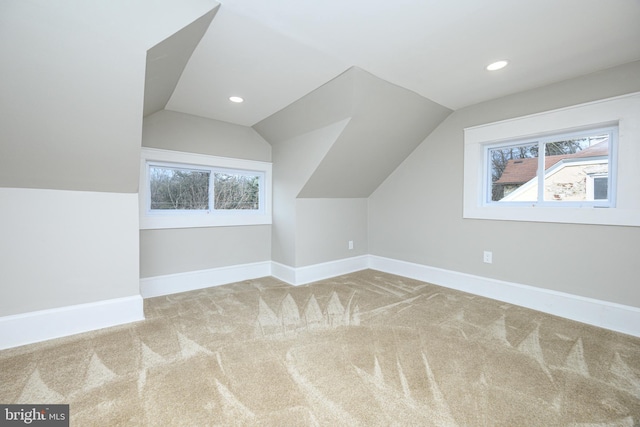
x: 488, y: 257
x: 350, y: 244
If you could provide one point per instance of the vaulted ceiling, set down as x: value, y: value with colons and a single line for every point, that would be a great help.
x: 274, y: 53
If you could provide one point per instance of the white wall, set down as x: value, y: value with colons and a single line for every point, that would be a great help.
x: 416, y: 214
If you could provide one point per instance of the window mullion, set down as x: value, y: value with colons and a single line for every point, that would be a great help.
x: 211, y: 190
x: 541, y: 170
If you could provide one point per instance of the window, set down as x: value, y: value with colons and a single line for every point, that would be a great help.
x: 193, y: 190
x: 573, y: 170
x: 577, y: 164
x: 180, y: 188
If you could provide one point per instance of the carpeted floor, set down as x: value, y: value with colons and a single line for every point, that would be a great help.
x: 367, y: 349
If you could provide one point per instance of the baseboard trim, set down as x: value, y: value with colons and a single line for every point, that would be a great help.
x: 604, y: 314
x: 192, y: 280
x: 283, y: 272
x: 28, y: 328
x: 312, y: 273
x: 42, y: 325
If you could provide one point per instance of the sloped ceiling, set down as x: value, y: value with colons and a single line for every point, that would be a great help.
x: 402, y: 67
x: 167, y: 59
x: 274, y: 53
x: 328, y: 104
x: 71, y: 81
x: 387, y: 124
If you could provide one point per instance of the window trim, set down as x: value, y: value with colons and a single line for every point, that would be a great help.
x: 159, y: 219
x: 622, y: 110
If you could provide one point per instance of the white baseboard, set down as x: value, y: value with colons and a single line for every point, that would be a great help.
x: 283, y: 272
x: 604, y: 314
x: 311, y: 273
x: 35, y: 326
x: 43, y: 325
x: 192, y: 280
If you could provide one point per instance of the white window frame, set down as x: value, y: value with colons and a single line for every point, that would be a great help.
x: 185, y: 218
x: 542, y: 172
x: 623, y: 111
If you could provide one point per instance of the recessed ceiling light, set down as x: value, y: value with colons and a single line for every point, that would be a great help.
x: 235, y: 99
x: 497, y: 65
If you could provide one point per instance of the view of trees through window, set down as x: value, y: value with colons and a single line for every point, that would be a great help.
x: 236, y: 191
x: 574, y: 169
x: 174, y: 188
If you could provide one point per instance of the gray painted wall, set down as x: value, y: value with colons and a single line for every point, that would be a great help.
x: 294, y: 161
x: 309, y: 231
x: 61, y: 248
x: 170, y: 130
x: 416, y: 214
x: 170, y: 251
x: 325, y: 226
x: 331, y: 149
x: 71, y: 103
x: 71, y: 112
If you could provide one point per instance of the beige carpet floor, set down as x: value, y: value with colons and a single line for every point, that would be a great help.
x: 364, y: 349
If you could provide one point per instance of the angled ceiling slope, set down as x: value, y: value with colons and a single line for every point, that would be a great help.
x: 330, y: 103
x: 166, y: 62
x: 387, y: 124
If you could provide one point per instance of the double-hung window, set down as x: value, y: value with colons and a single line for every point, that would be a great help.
x: 192, y: 190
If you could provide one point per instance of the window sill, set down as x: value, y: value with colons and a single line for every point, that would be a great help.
x: 150, y: 222
x: 590, y: 215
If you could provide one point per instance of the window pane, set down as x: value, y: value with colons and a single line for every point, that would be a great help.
x: 513, y: 172
x: 176, y: 188
x: 571, y: 165
x: 236, y: 191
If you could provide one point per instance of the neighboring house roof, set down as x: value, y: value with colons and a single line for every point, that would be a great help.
x: 596, y: 150
x: 519, y: 171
